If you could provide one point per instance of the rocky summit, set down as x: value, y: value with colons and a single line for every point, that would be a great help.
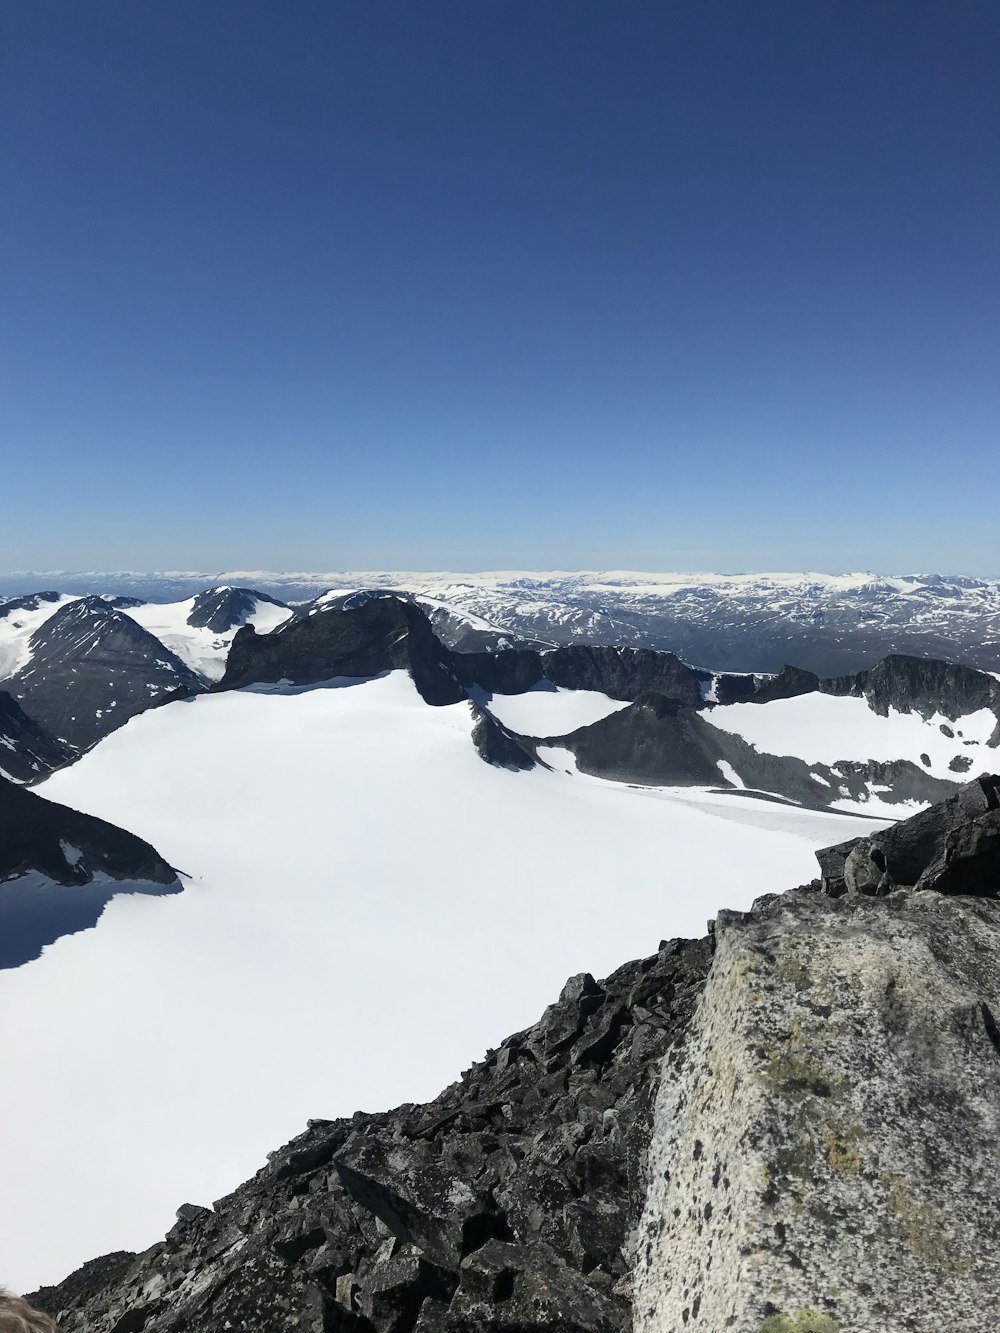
x: 785, y: 1127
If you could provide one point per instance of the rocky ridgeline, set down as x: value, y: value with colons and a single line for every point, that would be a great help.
x: 785, y: 1127
x: 27, y: 751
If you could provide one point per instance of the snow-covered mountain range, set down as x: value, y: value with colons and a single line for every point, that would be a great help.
x: 385, y: 839
x: 826, y: 623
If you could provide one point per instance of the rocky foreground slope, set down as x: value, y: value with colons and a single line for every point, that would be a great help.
x: 786, y: 1127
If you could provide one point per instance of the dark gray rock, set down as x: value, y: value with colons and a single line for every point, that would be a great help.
x: 790, y: 682
x: 379, y: 634
x: 497, y: 744
x: 920, y: 684
x: 952, y: 847
x: 59, y: 868
x: 27, y: 751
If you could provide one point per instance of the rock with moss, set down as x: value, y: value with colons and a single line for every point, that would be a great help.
x: 823, y: 1159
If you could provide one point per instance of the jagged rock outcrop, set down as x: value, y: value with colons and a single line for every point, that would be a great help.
x: 379, y: 634
x: 59, y: 869
x: 497, y: 744
x: 907, y: 684
x: 620, y: 673
x: 27, y: 751
x: 954, y: 847
x: 789, y: 683
x: 921, y: 684
x: 93, y: 667
x: 788, y: 1127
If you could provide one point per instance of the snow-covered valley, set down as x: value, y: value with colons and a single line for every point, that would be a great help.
x: 369, y: 906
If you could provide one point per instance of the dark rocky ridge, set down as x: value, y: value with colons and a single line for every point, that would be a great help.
x: 953, y: 848
x: 92, y: 668
x: 59, y: 868
x: 620, y: 673
x: 509, y: 1203
x: 220, y: 609
x: 380, y: 634
x: 27, y: 602
x: 918, y: 684
x: 27, y: 751
x: 660, y: 742
x: 499, y: 745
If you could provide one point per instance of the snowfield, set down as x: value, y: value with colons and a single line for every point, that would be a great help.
x: 370, y: 907
x: 549, y: 710
x: 827, y: 729
x: 203, y: 650
x: 16, y: 629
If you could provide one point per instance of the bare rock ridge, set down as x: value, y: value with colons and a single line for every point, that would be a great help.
x: 899, y: 682
x: 660, y: 739
x: 59, y: 869
x: 786, y: 1127
x: 381, y: 634
x: 27, y: 751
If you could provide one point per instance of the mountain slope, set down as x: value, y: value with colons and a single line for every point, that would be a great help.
x: 359, y: 871
x: 27, y: 751
x: 684, y: 1144
x: 200, y: 629
x: 91, y: 668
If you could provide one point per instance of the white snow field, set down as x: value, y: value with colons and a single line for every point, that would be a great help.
x: 16, y: 629
x: 370, y: 907
x: 203, y: 650
x: 827, y: 729
x: 549, y: 710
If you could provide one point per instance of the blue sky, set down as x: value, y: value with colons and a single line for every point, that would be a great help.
x: 500, y: 284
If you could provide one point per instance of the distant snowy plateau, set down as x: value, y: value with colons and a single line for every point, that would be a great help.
x: 743, y: 622
x: 302, y: 850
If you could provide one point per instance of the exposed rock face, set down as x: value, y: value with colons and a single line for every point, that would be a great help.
x: 505, y: 1204
x: 825, y: 1144
x: 92, y: 668
x: 921, y: 684
x: 661, y: 742
x: 497, y: 744
x: 906, y: 684
x: 59, y: 868
x: 28, y: 602
x: 789, y: 683
x: 27, y: 751
x: 220, y: 609
x: 620, y: 673
x: 380, y: 634
x: 954, y: 847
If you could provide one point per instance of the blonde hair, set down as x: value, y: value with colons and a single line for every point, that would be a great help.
x: 17, y: 1316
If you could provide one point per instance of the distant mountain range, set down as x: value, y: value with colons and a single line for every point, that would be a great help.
x: 830, y: 624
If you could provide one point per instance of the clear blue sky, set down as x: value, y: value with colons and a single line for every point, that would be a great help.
x: 321, y: 284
